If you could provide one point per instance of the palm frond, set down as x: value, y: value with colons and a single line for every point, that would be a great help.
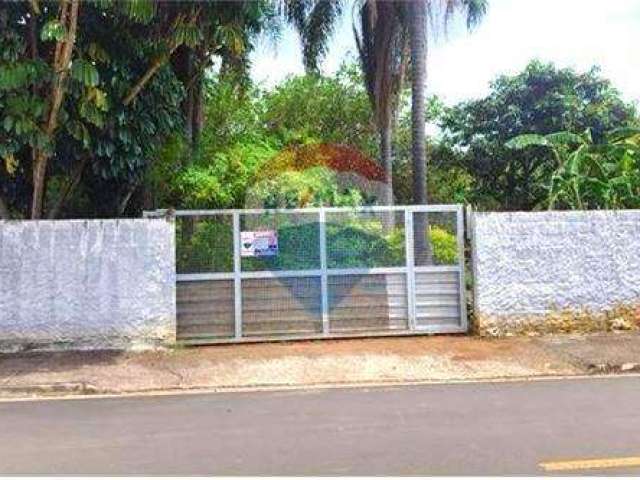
x: 315, y: 22
x: 363, y: 35
x: 442, y: 12
x: 141, y: 11
x: 320, y: 26
x: 476, y: 10
x: 382, y: 41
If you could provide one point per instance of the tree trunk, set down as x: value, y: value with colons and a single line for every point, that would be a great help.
x: 418, y: 79
x: 155, y: 65
x: 148, y: 75
x: 33, y: 34
x: 69, y: 188
x: 386, y: 159
x: 197, y: 120
x: 4, y: 210
x: 418, y: 41
x: 188, y: 118
x: 61, y: 61
x: 122, y: 206
x: 40, y: 160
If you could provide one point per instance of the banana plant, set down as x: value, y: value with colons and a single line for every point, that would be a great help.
x: 590, y: 175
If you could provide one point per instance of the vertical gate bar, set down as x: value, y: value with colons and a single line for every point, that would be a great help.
x: 409, y: 256
x: 473, y: 258
x: 464, y: 323
x: 323, y: 267
x: 237, y: 280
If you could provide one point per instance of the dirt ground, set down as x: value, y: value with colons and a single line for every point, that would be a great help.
x: 315, y: 363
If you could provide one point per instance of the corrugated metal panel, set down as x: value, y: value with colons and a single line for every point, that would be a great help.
x: 205, y: 308
x: 367, y: 302
x: 437, y: 298
x: 281, y: 306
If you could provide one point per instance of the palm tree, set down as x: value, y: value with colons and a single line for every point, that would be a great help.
x: 417, y: 14
x: 315, y: 21
x: 382, y: 42
x: 385, y: 26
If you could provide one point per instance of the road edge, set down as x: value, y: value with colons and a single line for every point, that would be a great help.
x: 55, y: 392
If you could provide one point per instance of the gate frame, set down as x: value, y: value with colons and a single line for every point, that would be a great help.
x: 409, y: 270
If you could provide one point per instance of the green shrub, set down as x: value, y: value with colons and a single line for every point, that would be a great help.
x: 361, y: 243
x: 203, y: 246
x: 353, y: 243
x: 314, y: 187
x: 445, y: 246
x: 221, y: 179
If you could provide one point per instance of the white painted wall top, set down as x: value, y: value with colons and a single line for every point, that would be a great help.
x: 535, y: 262
x: 97, y: 283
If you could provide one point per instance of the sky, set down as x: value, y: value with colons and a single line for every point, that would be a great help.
x: 570, y: 33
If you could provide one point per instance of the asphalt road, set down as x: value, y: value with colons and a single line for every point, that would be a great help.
x: 486, y: 428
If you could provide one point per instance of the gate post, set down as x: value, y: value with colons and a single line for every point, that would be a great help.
x: 237, y: 279
x: 323, y: 268
x: 410, y: 263
x: 464, y: 321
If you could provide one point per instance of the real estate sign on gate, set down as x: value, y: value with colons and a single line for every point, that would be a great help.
x: 259, y: 244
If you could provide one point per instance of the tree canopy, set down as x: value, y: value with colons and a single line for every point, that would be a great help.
x: 245, y: 131
x: 543, y: 99
x: 109, y: 107
x: 89, y: 91
x: 590, y: 175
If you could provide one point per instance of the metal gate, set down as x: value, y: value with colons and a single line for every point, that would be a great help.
x: 248, y: 275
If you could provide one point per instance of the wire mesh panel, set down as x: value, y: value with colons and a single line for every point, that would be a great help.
x: 309, y: 273
x: 204, y: 244
x: 297, y: 245
x: 205, y: 309
x: 360, y: 303
x: 435, y: 240
x: 357, y: 239
x: 281, y: 306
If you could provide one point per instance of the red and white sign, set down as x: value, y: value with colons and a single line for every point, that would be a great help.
x: 259, y: 244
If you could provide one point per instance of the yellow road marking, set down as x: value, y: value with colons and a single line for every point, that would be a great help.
x: 591, y: 463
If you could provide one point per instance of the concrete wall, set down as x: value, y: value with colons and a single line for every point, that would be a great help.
x: 86, y: 283
x: 545, y: 267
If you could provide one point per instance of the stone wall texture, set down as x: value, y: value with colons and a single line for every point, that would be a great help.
x: 533, y: 267
x: 86, y: 283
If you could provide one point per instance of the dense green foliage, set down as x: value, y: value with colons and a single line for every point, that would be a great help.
x: 119, y: 102
x: 591, y: 175
x: 313, y: 187
x: 146, y: 121
x: 244, y: 130
x: 541, y: 100
x: 91, y: 91
x: 470, y: 162
x: 316, y: 108
x: 353, y: 242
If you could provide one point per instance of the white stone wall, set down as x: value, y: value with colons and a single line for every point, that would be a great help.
x: 528, y: 265
x: 86, y: 283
